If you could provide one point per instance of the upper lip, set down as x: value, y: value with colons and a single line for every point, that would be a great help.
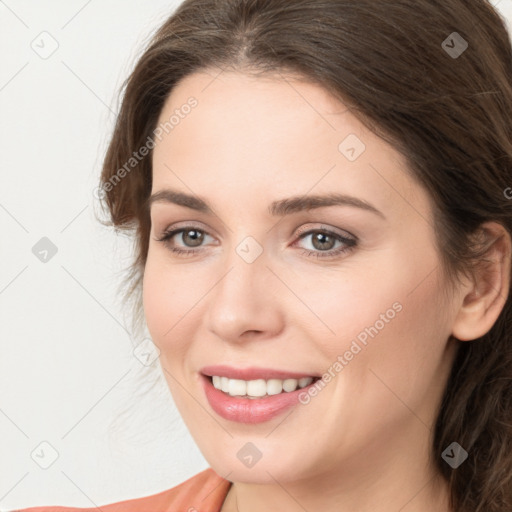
x: 252, y: 373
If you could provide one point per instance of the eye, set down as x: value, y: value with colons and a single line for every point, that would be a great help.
x: 190, y: 235
x: 323, y: 241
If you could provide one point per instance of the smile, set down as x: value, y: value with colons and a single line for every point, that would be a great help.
x: 258, y: 388
x: 253, y: 395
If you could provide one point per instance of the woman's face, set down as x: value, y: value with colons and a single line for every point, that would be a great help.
x: 312, y: 254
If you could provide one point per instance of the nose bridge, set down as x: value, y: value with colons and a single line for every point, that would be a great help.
x: 241, y: 300
x: 247, y: 272
x: 246, y: 264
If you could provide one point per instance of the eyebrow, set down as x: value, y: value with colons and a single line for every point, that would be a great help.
x: 277, y: 208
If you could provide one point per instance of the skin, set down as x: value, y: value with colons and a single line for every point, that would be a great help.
x: 363, y: 443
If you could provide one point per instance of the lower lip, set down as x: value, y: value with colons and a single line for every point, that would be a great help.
x: 247, y: 410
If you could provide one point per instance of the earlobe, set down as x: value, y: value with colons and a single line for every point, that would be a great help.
x: 485, y: 298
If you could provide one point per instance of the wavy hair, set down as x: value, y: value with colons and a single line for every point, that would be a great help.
x: 403, y: 68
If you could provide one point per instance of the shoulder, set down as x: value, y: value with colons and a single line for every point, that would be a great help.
x: 204, y: 492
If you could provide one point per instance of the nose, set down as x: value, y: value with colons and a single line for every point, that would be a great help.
x: 244, y: 302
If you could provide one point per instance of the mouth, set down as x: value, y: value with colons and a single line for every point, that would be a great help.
x: 260, y: 396
x: 258, y: 388
x: 256, y: 382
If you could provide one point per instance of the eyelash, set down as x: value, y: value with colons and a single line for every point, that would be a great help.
x: 350, y: 243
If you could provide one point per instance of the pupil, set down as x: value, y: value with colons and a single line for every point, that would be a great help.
x: 195, y: 240
x: 320, y: 238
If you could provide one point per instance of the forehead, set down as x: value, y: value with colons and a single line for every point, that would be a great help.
x: 274, y: 133
x: 269, y: 108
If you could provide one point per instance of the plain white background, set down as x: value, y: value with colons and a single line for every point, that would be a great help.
x: 67, y: 366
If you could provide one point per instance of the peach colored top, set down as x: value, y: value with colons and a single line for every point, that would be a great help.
x: 204, y: 492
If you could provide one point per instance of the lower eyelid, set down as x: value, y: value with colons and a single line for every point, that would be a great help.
x: 347, y: 244
x: 346, y: 241
x: 177, y: 232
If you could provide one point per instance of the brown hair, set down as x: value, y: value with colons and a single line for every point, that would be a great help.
x: 399, y: 66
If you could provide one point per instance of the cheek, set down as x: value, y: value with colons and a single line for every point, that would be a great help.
x: 349, y: 301
x: 391, y: 321
x: 403, y: 360
x: 156, y: 301
x: 168, y: 300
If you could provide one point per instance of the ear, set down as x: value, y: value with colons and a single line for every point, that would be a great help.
x: 485, y: 297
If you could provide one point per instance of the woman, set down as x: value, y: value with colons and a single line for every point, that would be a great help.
x: 320, y: 196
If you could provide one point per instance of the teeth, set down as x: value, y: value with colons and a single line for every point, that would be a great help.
x: 260, y: 387
x: 290, y: 384
x: 254, y: 388
x: 274, y: 386
x: 237, y: 387
x: 305, y: 381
